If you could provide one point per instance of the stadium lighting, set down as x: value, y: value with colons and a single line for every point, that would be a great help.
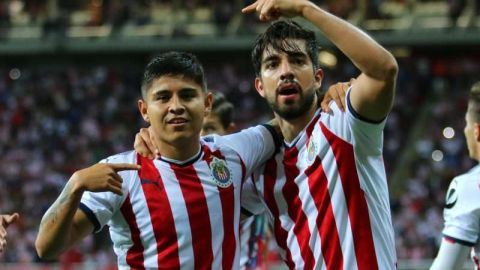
x: 437, y: 155
x: 14, y: 74
x: 448, y: 132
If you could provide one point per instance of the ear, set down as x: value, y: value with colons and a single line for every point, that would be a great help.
x: 318, y: 78
x: 143, y: 108
x: 208, y: 103
x: 476, y: 131
x: 259, y: 86
x: 231, y: 128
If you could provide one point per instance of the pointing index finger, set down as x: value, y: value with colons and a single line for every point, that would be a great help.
x: 250, y: 8
x: 124, y: 166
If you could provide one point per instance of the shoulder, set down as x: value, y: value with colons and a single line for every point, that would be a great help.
x: 125, y: 157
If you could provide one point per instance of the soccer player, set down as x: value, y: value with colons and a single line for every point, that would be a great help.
x: 462, y: 207
x: 5, y: 221
x: 325, y: 191
x: 180, y: 211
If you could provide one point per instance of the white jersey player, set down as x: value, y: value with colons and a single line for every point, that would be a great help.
x: 461, y: 234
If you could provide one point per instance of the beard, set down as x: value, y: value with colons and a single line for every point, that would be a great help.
x: 293, y: 110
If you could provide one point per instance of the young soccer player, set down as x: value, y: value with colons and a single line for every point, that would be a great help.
x: 180, y: 211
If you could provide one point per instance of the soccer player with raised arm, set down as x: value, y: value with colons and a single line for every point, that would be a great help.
x: 461, y: 234
x: 180, y: 211
x: 326, y: 190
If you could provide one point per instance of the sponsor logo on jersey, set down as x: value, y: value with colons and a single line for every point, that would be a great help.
x: 451, y: 196
x: 311, y: 150
x: 221, y: 173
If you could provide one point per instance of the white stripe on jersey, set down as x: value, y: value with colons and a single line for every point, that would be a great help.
x: 180, y: 215
x: 337, y: 195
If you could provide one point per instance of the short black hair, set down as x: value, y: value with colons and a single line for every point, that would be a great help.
x: 173, y: 64
x: 223, y: 109
x: 278, y: 36
x: 474, y: 102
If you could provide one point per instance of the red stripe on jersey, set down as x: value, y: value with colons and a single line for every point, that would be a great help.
x: 295, y: 211
x: 135, y: 252
x: 327, y: 227
x: 198, y: 216
x: 355, y: 200
x: 270, y: 176
x: 227, y: 197
x: 160, y: 215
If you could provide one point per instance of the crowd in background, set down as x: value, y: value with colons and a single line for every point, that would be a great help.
x: 216, y: 17
x: 59, y: 118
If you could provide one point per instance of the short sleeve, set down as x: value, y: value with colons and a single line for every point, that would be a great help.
x: 254, y: 145
x: 368, y: 134
x: 101, y: 206
x: 461, y: 213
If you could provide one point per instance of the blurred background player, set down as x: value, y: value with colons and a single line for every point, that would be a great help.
x: 5, y: 221
x: 462, y: 207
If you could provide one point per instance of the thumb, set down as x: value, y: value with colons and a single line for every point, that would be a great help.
x: 9, y: 219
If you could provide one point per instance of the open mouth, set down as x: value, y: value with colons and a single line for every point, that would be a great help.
x: 288, y: 89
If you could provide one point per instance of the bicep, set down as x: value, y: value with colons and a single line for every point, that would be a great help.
x: 82, y: 226
x: 372, y: 98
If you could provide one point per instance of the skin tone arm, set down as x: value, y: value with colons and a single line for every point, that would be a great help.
x: 450, y: 256
x: 374, y: 89
x: 144, y: 139
x: 63, y: 224
x: 5, y: 221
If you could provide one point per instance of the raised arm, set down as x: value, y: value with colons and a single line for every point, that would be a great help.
x: 373, y: 91
x: 63, y: 224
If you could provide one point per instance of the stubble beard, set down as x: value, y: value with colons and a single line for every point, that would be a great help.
x: 294, y: 110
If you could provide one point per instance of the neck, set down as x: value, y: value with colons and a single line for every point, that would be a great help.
x: 292, y: 127
x: 181, y: 149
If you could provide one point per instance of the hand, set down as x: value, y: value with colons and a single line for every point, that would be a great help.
x: 102, y: 177
x: 272, y: 9
x: 5, y: 221
x: 336, y: 93
x: 144, y: 143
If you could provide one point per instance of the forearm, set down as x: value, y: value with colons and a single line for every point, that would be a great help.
x: 367, y: 55
x: 56, y: 226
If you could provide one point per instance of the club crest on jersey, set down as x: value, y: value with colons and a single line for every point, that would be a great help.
x: 311, y: 150
x: 221, y: 173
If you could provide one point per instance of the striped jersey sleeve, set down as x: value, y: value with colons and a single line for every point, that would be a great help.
x: 101, y: 206
x: 254, y: 145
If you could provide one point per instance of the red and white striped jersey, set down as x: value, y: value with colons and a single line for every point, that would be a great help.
x: 327, y: 195
x: 181, y: 215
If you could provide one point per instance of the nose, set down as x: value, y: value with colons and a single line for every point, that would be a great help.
x: 286, y: 71
x: 176, y: 106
